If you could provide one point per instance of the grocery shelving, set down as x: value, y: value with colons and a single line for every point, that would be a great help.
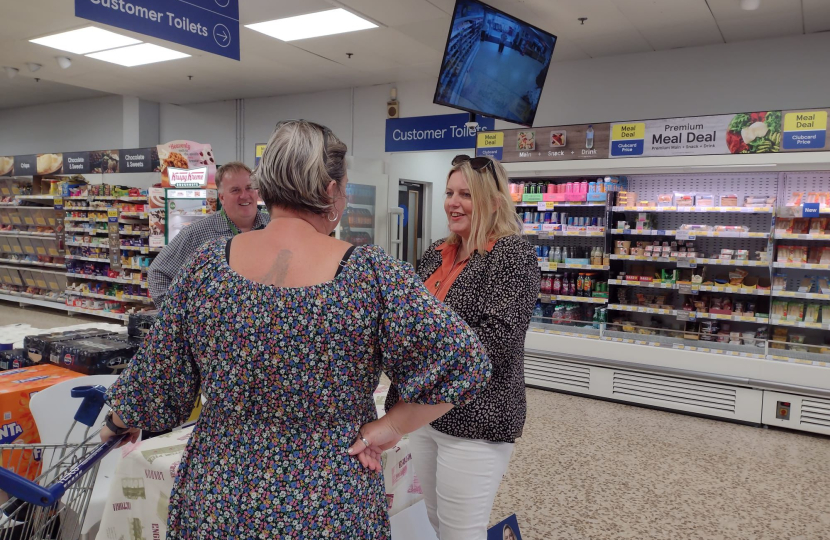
x: 99, y: 313
x: 800, y: 324
x: 802, y: 266
x: 802, y: 295
x: 813, y: 237
x: 690, y: 235
x: 109, y: 279
x: 32, y: 263
x: 548, y: 298
x: 700, y: 210
x: 553, y: 267
x: 122, y: 298
x: 641, y: 309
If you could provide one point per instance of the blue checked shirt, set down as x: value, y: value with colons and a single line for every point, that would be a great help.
x: 174, y: 256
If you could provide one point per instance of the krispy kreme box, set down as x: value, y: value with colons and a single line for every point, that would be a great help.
x: 18, y: 426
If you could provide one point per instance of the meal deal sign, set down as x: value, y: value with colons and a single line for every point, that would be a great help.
x: 208, y: 25
x: 761, y: 132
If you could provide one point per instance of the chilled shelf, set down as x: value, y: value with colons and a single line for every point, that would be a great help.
x: 802, y: 266
x: 803, y: 295
x: 734, y: 318
x: 651, y: 285
x: 640, y: 309
x: 646, y: 259
x: 703, y: 288
x: 787, y: 236
x: 552, y: 234
x: 548, y: 298
x: 694, y: 209
x: 553, y: 267
x: 690, y: 235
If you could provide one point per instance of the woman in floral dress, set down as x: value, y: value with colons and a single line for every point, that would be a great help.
x: 286, y: 331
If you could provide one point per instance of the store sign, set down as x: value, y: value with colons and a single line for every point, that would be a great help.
x: 811, y: 210
x: 76, y: 162
x: 504, y: 530
x: 490, y: 145
x: 743, y: 133
x: 441, y: 132
x: 25, y: 165
x: 136, y: 160
x: 258, y: 151
x: 6, y: 165
x: 188, y: 178
x: 208, y: 25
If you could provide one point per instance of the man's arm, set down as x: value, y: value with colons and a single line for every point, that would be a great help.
x: 167, y: 264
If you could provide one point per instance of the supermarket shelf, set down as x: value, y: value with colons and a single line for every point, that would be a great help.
x: 694, y: 209
x: 785, y: 322
x: 19, y: 207
x: 548, y: 298
x: 551, y: 234
x: 44, y: 271
x: 99, y: 313
x: 110, y: 280
x: 142, y: 249
x: 548, y: 205
x: 35, y: 197
x: 651, y: 285
x: 640, y: 309
x: 92, y: 259
x: 691, y: 235
x: 802, y: 266
x: 33, y: 301
x: 794, y: 294
x: 86, y: 219
x: 21, y: 234
x: 735, y: 318
x: 33, y: 263
x: 645, y: 259
x: 635, y: 232
x: 735, y: 290
x: 108, y: 198
x: 730, y: 262
x: 122, y: 298
x: 86, y: 231
x: 139, y: 233
x: 134, y: 215
x: 553, y: 267
x: 88, y: 245
x: 785, y: 236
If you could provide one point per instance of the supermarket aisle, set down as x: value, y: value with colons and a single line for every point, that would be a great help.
x: 588, y: 469
x: 41, y: 317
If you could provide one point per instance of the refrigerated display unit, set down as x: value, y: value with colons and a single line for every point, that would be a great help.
x: 173, y: 209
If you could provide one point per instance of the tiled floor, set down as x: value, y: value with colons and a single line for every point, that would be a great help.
x: 588, y: 469
x: 592, y: 470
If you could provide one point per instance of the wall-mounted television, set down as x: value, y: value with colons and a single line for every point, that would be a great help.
x: 494, y: 64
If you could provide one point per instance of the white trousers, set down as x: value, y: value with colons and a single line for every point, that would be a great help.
x: 459, y: 478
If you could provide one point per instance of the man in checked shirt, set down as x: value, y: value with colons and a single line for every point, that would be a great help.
x: 239, y: 214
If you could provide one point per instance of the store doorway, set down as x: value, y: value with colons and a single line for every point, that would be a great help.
x: 411, y: 200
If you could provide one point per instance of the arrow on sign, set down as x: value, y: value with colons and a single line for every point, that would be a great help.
x: 221, y: 35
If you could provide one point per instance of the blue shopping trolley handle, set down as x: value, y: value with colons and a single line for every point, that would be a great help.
x: 33, y: 493
x: 94, y: 398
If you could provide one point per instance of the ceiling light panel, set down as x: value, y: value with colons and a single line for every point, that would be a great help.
x: 323, y: 23
x: 85, y: 40
x: 138, y: 55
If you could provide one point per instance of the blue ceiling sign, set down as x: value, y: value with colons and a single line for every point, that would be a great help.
x: 440, y: 132
x: 208, y: 25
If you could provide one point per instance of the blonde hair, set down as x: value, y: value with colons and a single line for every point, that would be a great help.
x: 230, y: 168
x: 297, y: 166
x: 494, y: 212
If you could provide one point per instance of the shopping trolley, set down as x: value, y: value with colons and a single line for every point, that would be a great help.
x: 54, y: 504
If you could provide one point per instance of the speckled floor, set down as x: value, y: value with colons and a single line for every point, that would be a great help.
x: 592, y: 470
x: 588, y: 469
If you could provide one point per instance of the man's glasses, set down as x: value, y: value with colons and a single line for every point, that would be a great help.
x: 477, y: 164
x: 323, y: 129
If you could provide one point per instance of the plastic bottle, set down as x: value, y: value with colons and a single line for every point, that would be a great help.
x: 556, y: 288
x: 556, y: 255
x: 538, y: 313
x: 589, y: 138
x: 587, y: 285
x: 580, y: 283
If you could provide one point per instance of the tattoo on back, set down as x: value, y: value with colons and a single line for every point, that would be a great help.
x: 279, y: 270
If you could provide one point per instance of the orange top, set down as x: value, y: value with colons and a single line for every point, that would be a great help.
x: 441, y: 280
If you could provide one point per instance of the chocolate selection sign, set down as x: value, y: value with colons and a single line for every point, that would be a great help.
x: 742, y: 133
x: 76, y: 162
x: 137, y: 160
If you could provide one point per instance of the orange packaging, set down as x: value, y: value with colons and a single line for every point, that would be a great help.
x: 17, y: 386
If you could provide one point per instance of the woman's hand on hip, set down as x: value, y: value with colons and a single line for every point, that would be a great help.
x: 372, y: 440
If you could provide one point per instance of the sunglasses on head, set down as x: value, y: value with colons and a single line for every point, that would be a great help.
x: 323, y: 129
x: 477, y: 164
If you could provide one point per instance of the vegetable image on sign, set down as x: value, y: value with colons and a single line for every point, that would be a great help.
x: 755, y: 133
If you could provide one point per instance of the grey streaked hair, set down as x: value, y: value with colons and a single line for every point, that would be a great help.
x: 294, y: 173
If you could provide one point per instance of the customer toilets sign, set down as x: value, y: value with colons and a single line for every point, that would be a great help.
x: 441, y: 132
x: 208, y: 25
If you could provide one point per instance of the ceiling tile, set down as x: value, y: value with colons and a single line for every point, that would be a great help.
x: 671, y: 24
x: 774, y: 18
x: 816, y: 16
x: 432, y: 33
x: 254, y: 11
x: 395, y: 13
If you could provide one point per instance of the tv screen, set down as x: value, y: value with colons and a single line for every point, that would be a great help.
x: 494, y: 64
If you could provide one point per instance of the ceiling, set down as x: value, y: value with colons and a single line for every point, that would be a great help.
x: 408, y: 45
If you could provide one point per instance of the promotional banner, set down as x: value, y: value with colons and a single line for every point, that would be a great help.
x: 186, y: 155
x: 743, y: 133
x: 139, y: 160
x: 6, y: 165
x: 210, y: 26
x: 586, y: 141
x: 76, y: 162
x: 440, y: 132
x: 259, y: 149
x: 507, y: 529
x: 49, y: 163
x: 25, y: 165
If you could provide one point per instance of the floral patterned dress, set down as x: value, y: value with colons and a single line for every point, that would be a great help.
x: 289, y: 375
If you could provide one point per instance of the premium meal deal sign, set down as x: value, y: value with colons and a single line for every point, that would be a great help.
x: 760, y: 132
x: 670, y: 137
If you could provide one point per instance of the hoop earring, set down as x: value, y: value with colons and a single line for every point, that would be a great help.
x: 336, y: 215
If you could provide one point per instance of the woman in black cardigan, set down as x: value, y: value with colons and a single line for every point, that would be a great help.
x: 488, y: 274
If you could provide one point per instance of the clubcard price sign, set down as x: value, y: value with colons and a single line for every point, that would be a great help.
x: 507, y: 529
